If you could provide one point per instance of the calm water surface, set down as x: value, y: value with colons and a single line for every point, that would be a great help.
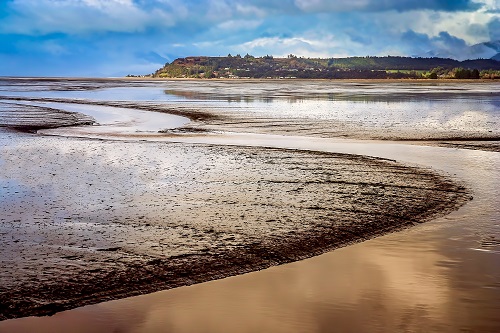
x: 442, y: 276
x: 450, y: 108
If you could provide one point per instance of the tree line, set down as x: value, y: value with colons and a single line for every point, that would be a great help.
x: 292, y: 66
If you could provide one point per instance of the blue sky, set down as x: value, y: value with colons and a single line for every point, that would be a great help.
x: 119, y: 37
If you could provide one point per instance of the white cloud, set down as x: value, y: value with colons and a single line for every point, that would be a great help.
x: 80, y: 16
x: 102, y: 4
x: 340, y: 5
x: 219, y: 10
x: 248, y: 10
x: 207, y: 44
x: 489, y: 5
x: 308, y: 44
x: 432, y: 23
x: 236, y: 25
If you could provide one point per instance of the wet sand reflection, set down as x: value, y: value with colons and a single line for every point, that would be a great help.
x: 435, y: 277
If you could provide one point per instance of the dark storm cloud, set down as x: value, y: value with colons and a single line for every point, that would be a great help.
x: 384, y: 5
x: 494, y: 29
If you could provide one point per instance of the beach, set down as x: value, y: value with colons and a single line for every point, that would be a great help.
x: 147, y: 210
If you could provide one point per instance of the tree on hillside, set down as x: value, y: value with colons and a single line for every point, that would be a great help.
x: 461, y: 73
x: 475, y: 74
x: 433, y: 75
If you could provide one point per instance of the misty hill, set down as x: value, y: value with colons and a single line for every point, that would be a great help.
x: 487, y: 50
x: 295, y: 67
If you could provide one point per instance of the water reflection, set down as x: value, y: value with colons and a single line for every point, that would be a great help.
x: 430, y: 278
x: 353, y: 96
x: 447, y: 108
x: 115, y: 120
x: 442, y: 276
x: 365, y: 110
x: 191, y: 95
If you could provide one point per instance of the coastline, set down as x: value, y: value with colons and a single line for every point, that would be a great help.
x: 406, y: 196
x: 143, y: 273
x: 160, y: 79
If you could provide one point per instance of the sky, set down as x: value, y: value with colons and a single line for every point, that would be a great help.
x: 107, y: 38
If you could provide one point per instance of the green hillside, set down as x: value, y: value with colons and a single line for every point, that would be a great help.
x: 332, y: 68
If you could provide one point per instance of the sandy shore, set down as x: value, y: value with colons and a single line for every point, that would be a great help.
x: 90, y: 220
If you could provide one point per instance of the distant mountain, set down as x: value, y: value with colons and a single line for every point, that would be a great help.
x: 488, y: 50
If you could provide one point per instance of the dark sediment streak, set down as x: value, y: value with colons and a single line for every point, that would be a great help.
x: 195, y: 115
x: 32, y: 118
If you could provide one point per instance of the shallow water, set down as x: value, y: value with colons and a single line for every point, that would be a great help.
x: 367, y: 109
x: 442, y: 276
x: 112, y: 120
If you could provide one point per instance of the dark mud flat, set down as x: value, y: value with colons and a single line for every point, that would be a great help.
x: 84, y: 221
x: 485, y: 145
x: 31, y: 118
x: 193, y: 114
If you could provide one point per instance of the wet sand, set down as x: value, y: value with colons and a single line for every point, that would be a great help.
x: 150, y: 216
x: 440, y: 276
x: 32, y: 118
x: 452, y: 114
x: 290, y: 217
